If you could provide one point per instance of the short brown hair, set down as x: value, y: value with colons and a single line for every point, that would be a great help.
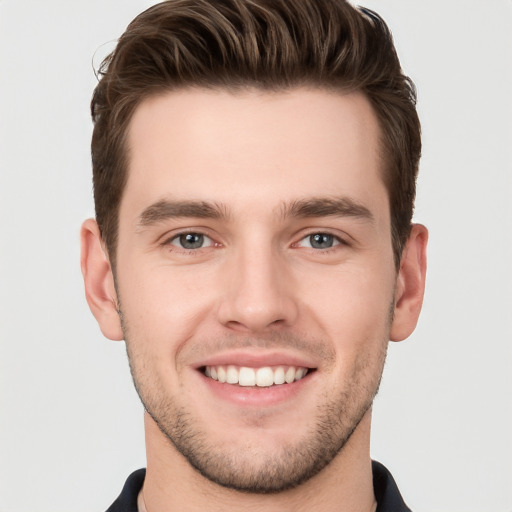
x: 267, y: 44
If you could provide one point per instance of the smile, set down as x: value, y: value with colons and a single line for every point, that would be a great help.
x: 265, y: 376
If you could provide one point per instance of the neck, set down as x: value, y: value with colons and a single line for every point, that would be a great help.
x: 173, y: 484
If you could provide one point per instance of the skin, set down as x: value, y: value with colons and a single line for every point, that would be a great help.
x: 257, y: 292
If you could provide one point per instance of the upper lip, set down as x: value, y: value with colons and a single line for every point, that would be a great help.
x: 256, y: 359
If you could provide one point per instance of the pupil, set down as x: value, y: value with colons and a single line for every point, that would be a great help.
x: 321, y: 241
x: 191, y: 241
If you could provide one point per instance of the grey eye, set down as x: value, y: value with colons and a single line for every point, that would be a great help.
x: 190, y: 240
x: 322, y: 241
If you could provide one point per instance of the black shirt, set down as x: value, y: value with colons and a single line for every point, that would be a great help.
x: 386, y: 492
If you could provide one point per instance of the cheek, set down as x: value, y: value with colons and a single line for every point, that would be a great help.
x: 353, y: 309
x: 163, y: 304
x: 356, y: 293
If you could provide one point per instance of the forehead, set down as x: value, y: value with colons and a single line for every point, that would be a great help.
x: 253, y: 147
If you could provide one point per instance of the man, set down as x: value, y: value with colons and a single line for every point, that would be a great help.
x: 254, y: 167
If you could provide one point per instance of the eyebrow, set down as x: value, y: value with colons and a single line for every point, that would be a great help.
x: 326, y: 207
x: 164, y: 210
x: 302, y: 208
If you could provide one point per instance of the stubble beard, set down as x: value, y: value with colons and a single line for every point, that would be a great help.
x: 337, y: 417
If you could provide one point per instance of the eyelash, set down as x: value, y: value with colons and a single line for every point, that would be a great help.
x: 337, y: 242
x: 168, y: 242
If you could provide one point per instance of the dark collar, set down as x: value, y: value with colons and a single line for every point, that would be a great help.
x: 127, y: 501
x: 386, y: 492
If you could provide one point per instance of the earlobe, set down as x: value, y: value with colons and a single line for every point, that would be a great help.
x: 410, y: 285
x: 99, y: 281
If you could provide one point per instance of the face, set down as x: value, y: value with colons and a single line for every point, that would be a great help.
x: 255, y: 277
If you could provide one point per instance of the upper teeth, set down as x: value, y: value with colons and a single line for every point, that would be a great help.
x: 263, y: 377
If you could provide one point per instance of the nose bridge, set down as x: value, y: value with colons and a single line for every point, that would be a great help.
x: 257, y: 295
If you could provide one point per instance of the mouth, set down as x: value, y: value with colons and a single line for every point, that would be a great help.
x: 265, y: 376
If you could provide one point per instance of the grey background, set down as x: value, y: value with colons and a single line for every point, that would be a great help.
x: 71, y: 424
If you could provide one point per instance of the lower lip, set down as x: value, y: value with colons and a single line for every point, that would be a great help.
x: 255, y: 396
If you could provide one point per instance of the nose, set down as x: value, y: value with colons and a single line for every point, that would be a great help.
x: 257, y: 292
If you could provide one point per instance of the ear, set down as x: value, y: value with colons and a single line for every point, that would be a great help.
x: 410, y: 284
x: 99, y: 281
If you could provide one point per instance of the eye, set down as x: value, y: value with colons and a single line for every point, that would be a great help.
x: 319, y: 241
x: 190, y: 241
